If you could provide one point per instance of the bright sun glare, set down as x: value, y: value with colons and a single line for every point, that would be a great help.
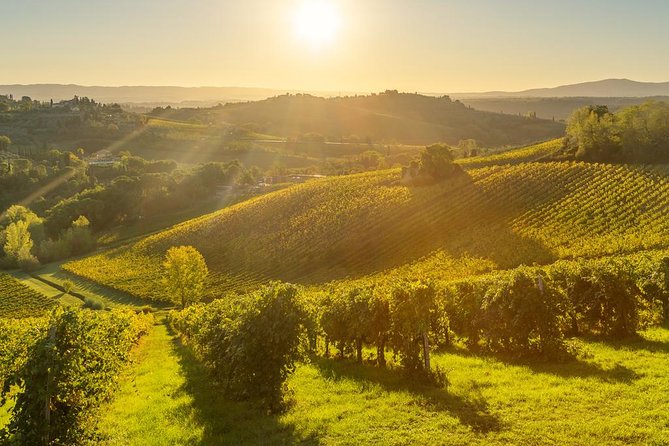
x: 317, y: 22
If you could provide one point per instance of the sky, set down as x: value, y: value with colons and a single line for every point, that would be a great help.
x: 345, y: 45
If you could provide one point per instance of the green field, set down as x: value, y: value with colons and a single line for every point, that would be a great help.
x: 601, y: 398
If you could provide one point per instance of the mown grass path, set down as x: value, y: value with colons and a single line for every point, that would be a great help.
x: 168, y: 399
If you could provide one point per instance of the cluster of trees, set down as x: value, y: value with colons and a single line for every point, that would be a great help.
x: 64, y: 368
x: 54, y: 175
x: 435, y: 163
x: 77, y: 200
x: 145, y: 188
x: 25, y: 240
x: 638, y: 134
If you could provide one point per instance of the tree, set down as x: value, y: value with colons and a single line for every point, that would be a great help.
x: 185, y: 274
x: 436, y: 161
x: 18, y: 242
x: 68, y: 286
x: 4, y: 143
x: 593, y: 131
x: 79, y: 237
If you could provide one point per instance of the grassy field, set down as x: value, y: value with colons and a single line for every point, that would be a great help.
x: 602, y: 398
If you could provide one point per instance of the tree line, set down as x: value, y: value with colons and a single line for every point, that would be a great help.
x: 636, y: 134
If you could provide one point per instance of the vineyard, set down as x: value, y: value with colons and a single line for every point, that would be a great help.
x: 526, y: 154
x: 342, y: 228
x: 19, y: 301
x: 551, y: 276
x: 58, y: 369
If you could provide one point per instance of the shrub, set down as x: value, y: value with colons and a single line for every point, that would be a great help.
x: 519, y: 314
x: 412, y: 304
x: 94, y: 304
x: 250, y: 343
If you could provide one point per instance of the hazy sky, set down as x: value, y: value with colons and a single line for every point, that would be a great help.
x: 411, y: 45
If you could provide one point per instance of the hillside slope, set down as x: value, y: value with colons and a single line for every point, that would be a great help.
x: 492, y: 217
x: 601, y: 88
x: 386, y: 117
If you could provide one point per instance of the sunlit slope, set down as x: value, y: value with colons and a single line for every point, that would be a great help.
x: 519, y: 155
x: 346, y: 227
x: 19, y: 301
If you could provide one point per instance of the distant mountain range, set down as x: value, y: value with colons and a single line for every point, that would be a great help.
x: 208, y: 96
x: 183, y: 96
x: 598, y: 89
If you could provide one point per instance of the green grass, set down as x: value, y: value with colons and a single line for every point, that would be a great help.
x: 167, y: 399
x: 37, y: 285
x: 47, y: 290
x: 616, y: 394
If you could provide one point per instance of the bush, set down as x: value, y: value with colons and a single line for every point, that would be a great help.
x: 520, y: 314
x: 250, y: 343
x: 93, y: 304
x: 412, y: 306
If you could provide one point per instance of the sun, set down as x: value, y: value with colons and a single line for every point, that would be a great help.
x: 317, y: 23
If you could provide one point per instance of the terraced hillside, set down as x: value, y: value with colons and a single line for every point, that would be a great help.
x: 19, y: 301
x: 492, y: 217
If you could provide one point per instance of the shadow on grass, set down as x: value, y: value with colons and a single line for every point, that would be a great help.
x: 570, y: 367
x: 636, y: 343
x: 225, y: 421
x: 53, y: 275
x: 472, y: 412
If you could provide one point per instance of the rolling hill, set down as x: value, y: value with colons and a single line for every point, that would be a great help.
x: 553, y: 108
x: 385, y: 117
x: 602, y: 88
x: 503, y: 212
